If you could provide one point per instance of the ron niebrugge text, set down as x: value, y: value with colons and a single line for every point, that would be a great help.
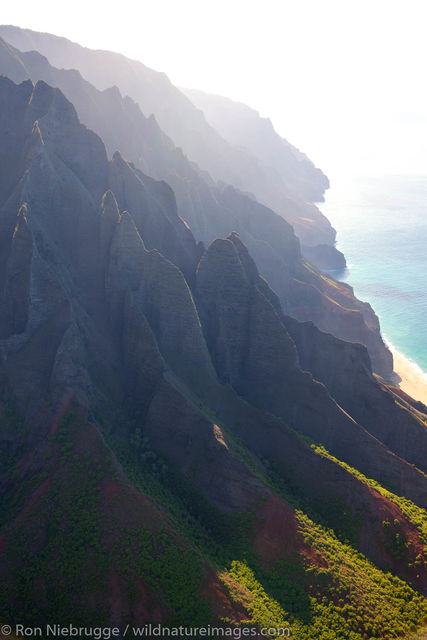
x: 147, y: 631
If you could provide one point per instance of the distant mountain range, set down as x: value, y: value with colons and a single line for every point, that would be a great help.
x: 197, y: 425
x: 210, y: 209
x: 288, y: 187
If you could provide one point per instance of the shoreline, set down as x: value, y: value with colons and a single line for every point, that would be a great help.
x: 414, y: 380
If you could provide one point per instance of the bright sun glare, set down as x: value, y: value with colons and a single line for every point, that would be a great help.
x: 344, y: 81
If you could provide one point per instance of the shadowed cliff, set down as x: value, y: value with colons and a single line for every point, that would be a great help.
x: 212, y: 210
x: 289, y: 192
x: 163, y: 452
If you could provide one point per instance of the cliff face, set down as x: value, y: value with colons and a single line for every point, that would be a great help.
x: 300, y: 181
x: 346, y: 371
x: 252, y: 351
x: 154, y: 415
x: 288, y: 188
x: 244, y: 127
x: 213, y: 210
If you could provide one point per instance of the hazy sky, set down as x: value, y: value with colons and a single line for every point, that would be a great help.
x: 344, y: 80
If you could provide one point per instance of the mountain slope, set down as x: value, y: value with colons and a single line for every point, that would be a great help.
x: 137, y: 484
x: 213, y: 211
x: 188, y: 128
x: 242, y: 126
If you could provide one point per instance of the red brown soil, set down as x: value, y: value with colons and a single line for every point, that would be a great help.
x: 35, y: 497
x: 389, y: 511
x: 144, y: 610
x: 216, y: 593
x: 277, y: 535
x: 111, y: 489
x: 66, y: 405
x: 31, y: 504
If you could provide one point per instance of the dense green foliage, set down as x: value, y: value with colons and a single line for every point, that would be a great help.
x: 327, y: 591
x: 346, y: 598
x: 217, y: 535
x: 65, y: 550
x: 412, y: 512
x: 338, y: 595
x: 59, y: 551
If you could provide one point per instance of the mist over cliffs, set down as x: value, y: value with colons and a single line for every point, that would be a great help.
x: 197, y: 425
x: 212, y: 209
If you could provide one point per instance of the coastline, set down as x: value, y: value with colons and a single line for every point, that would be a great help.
x: 414, y: 380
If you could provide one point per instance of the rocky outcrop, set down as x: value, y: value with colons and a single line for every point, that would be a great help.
x: 300, y: 181
x: 244, y: 127
x: 16, y: 300
x: 189, y: 437
x: 253, y: 351
x: 211, y: 210
x: 345, y: 369
x: 325, y: 257
x: 154, y: 209
x: 148, y: 424
x: 243, y: 159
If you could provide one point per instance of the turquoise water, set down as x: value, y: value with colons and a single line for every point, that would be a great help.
x: 381, y: 228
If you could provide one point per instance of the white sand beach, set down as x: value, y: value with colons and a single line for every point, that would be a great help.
x: 414, y: 380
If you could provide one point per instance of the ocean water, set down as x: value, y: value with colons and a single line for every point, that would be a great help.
x: 381, y: 225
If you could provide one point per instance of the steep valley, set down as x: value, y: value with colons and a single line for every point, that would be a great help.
x: 197, y: 426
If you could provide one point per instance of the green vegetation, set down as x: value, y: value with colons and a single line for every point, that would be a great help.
x: 395, y: 543
x: 421, y: 634
x: 345, y: 598
x: 191, y: 515
x: 58, y: 554
x: 416, y: 515
x: 174, y: 574
x: 13, y: 432
x: 354, y: 594
x: 348, y: 598
x: 334, y: 592
x: 11, y: 426
x: 70, y: 542
x: 263, y: 609
x: 328, y: 511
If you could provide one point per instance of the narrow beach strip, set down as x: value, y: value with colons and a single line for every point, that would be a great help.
x: 414, y: 380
